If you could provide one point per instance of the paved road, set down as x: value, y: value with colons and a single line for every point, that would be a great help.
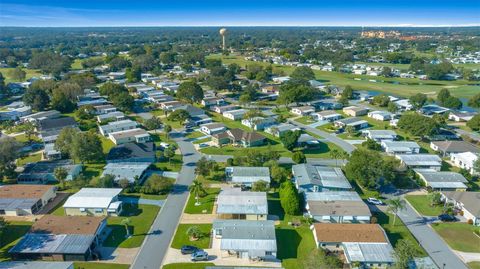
x: 472, y: 135
x: 438, y: 250
x: 157, y: 242
x: 335, y: 140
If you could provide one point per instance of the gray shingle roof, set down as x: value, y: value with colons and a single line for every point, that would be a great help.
x: 420, y: 159
x: 245, y: 235
x: 442, y: 179
x: 242, y: 174
x: 469, y: 199
x: 324, y: 176
x: 51, y: 243
x: 242, y: 202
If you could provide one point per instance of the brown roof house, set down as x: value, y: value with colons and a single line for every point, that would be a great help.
x: 238, y: 137
x: 60, y: 238
x: 466, y: 201
x: 22, y: 199
x: 366, y: 244
x: 453, y: 147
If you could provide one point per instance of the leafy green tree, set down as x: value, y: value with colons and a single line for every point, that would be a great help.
x: 194, y: 233
x: 64, y: 141
x: 303, y: 73
x: 278, y: 173
x: 394, y: 206
x: 179, y: 115
x: 190, y: 91
x: 289, y: 198
x: 372, y: 145
x: 347, y: 92
x: 123, y: 101
x: 60, y: 174
x: 418, y: 100
x: 392, y: 107
x: 474, y: 101
x: 418, y: 125
x: 29, y: 130
x: 260, y: 186
x: 295, y: 91
x: 350, y: 130
x: 198, y: 190
x: 435, y: 198
x: 169, y: 153
x: 61, y: 102
x: 289, y: 139
x: 46, y: 85
x: 404, y: 252
x: 9, y: 152
x: 205, y: 167
x: 299, y: 157
x: 335, y: 154
x: 442, y: 96
x: 106, y: 181
x: 133, y: 74
x: 87, y: 148
x: 18, y: 74
x: 167, y: 129
x: 157, y: 184
x: 111, y: 89
x: 381, y: 100
x: 369, y: 168
x: 153, y: 123
x: 3, y: 226
x: 317, y: 258
x: 3, y: 88
x: 474, y: 123
x: 386, y: 71
x: 118, y: 63
x: 36, y: 98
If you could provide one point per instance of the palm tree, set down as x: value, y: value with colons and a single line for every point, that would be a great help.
x: 167, y: 129
x: 335, y: 154
x: 197, y: 189
x: 126, y: 222
x: 344, y: 155
x: 395, y: 205
x: 194, y: 233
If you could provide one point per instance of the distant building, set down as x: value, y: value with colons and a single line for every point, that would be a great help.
x: 466, y: 201
x: 355, y: 111
x: 238, y: 137
x: 303, y: 110
x: 461, y: 116
x: 465, y: 161
x: 327, y: 115
x: 356, y: 123
x: 380, y: 115
x: 36, y: 265
x: 442, y: 180
x: 42, y: 172
x: 117, y: 126
x: 337, y: 207
x: 278, y: 129
x: 137, y: 135
x: 133, y: 152
x: 420, y: 161
x: 400, y: 147
x: 446, y: 148
x: 380, y: 135
x: 132, y: 171
x: 212, y: 128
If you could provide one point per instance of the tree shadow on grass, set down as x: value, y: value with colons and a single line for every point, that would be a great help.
x: 288, y: 241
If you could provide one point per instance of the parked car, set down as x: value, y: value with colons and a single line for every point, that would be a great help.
x: 374, y: 201
x: 447, y: 218
x: 189, y: 249
x: 203, y: 145
x: 199, y: 256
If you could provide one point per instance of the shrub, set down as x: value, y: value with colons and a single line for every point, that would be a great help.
x: 470, y: 221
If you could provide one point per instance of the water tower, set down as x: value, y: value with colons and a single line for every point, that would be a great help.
x: 223, y: 32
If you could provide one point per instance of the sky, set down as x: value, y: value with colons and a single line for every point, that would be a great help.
x: 60, y: 13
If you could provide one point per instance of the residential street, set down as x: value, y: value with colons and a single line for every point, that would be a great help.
x: 156, y: 244
x: 438, y: 250
x: 329, y: 137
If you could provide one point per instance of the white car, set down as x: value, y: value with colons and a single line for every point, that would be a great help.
x: 374, y: 201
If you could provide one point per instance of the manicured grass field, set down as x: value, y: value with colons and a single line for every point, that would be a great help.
x: 141, y: 217
x: 181, y: 238
x: 10, y: 236
x: 194, y: 134
x: 23, y: 138
x: 145, y: 196
x: 93, y: 170
x: 305, y: 120
x: 107, y: 144
x: 206, y: 202
x: 29, y: 159
x: 422, y: 205
x: 397, y: 232
x: 29, y: 73
x: 175, y: 163
x: 187, y: 265
x: 397, y: 86
x: 474, y: 265
x: 99, y: 265
x: 459, y: 236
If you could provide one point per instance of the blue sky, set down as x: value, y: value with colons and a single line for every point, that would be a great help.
x: 240, y: 12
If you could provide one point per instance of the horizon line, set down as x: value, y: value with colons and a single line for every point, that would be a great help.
x: 224, y: 25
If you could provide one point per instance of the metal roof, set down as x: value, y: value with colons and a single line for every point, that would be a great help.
x: 243, y: 174
x: 51, y: 243
x: 242, y: 202
x: 338, y: 208
x: 92, y: 198
x: 420, y: 159
x: 10, y: 204
x: 381, y: 133
x: 333, y: 196
x: 369, y: 252
x: 126, y: 170
x: 328, y: 177
x: 400, y: 145
x: 246, y: 235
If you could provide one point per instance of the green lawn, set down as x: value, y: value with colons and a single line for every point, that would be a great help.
x: 93, y: 170
x: 29, y: 73
x: 459, y: 236
x: 99, y: 265
x: 107, y: 144
x: 305, y: 120
x: 422, y: 205
x: 195, y: 134
x: 174, y: 164
x: 397, y: 232
x: 474, y: 265
x: 23, y: 138
x: 398, y: 86
x: 181, y: 238
x: 204, y: 140
x: 10, y: 236
x: 187, y: 265
x: 29, y: 159
x: 146, y: 196
x: 206, y: 202
x: 141, y: 217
